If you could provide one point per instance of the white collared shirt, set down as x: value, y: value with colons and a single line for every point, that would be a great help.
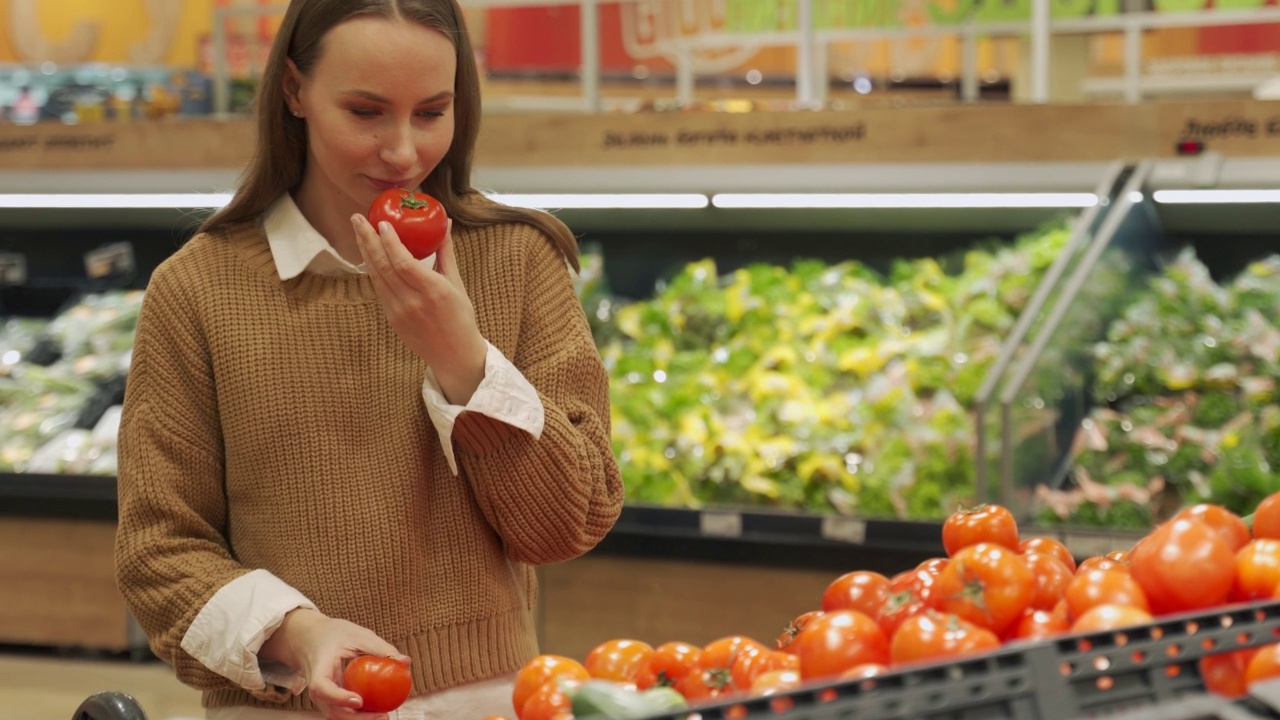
x: 230, y: 629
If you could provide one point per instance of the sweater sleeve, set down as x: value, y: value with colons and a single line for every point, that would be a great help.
x: 554, y: 497
x: 171, y: 552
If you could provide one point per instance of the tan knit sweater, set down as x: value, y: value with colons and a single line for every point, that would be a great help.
x: 280, y: 425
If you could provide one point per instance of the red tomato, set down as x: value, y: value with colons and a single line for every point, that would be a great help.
x: 1227, y: 524
x: 382, y: 683
x: 793, y: 628
x: 1264, y: 665
x: 864, y: 671
x: 1051, y: 579
x: 934, y: 636
x: 551, y: 701
x: 1257, y: 570
x: 934, y: 565
x: 988, y: 585
x: 1183, y: 565
x: 618, y: 660
x: 1048, y: 546
x: 1224, y: 674
x: 541, y: 670
x: 1100, y: 562
x: 774, y: 682
x: 838, y: 641
x: 910, y: 593
x: 1110, y: 617
x: 753, y: 662
x: 1090, y: 588
x: 1040, y: 624
x: 419, y: 219
x: 982, y: 524
x: 670, y: 663
x: 1266, y: 519
x: 863, y: 591
x: 720, y: 654
x: 704, y: 685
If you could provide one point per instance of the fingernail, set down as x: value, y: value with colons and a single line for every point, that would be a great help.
x: 384, y: 227
x: 355, y: 221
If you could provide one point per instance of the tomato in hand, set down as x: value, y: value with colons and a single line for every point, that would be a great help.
x: 984, y: 523
x: 382, y: 683
x: 419, y: 219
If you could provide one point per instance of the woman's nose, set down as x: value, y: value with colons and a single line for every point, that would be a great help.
x: 397, y: 146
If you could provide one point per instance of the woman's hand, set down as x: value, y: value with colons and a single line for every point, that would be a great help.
x: 428, y: 309
x: 317, y: 646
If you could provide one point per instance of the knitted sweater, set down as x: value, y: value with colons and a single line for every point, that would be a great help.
x: 280, y: 425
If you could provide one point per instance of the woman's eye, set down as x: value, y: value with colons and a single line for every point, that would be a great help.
x: 364, y: 113
x: 431, y: 113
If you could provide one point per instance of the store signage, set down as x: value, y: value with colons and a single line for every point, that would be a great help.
x: 720, y: 524
x: 114, y: 260
x: 731, y: 137
x: 57, y: 142
x: 753, y: 16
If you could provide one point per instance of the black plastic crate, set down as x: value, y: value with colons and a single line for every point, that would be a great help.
x: 1076, y: 676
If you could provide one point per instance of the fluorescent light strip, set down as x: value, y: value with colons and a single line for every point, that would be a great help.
x: 72, y: 201
x: 905, y: 200
x: 645, y: 201
x: 1207, y: 197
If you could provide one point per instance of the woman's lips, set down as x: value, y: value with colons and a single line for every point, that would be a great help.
x: 388, y: 184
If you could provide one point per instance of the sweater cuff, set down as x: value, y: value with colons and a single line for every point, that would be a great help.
x: 504, y: 402
x: 230, y: 629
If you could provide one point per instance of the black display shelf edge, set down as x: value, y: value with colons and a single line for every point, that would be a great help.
x: 749, y: 537
x: 69, y: 497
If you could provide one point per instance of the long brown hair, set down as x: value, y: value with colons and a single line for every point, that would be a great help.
x: 280, y: 154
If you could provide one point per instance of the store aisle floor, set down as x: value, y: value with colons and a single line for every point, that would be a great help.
x: 40, y: 687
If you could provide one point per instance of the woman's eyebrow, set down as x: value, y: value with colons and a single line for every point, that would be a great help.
x: 446, y: 94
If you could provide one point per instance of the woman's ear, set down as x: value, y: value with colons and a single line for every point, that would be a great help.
x: 291, y: 84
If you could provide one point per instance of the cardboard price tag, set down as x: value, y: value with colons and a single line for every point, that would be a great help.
x: 110, y: 261
x: 13, y: 269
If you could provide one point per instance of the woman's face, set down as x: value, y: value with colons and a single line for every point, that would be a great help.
x: 379, y: 112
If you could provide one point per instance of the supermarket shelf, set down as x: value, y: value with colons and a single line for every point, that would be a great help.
x: 778, y: 539
x: 68, y: 497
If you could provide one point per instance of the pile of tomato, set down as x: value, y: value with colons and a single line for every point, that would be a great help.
x: 993, y: 588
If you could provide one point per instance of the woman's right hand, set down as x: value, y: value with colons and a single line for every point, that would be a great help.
x: 317, y: 645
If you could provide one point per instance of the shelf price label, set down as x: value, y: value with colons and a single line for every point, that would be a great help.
x: 114, y: 260
x: 844, y: 529
x: 13, y: 269
x: 720, y: 524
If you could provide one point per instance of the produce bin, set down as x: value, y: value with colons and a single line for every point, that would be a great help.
x: 1151, y: 383
x: 1078, y: 676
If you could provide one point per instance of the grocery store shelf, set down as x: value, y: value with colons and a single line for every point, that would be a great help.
x: 70, y: 497
x: 752, y: 537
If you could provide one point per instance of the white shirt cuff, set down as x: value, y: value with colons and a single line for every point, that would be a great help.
x: 230, y: 629
x: 504, y: 395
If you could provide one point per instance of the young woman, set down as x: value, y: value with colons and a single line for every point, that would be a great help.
x: 330, y: 449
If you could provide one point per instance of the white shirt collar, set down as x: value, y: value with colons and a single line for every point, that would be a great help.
x: 296, y: 246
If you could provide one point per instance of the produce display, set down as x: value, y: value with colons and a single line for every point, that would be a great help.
x: 994, y: 589
x: 59, y: 382
x: 824, y: 387
x: 1185, y: 386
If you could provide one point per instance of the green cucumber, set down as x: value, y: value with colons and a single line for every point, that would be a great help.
x: 609, y: 701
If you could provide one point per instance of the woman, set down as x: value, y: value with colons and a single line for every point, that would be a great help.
x: 330, y: 449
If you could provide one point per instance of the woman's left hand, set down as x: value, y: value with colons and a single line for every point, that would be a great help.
x: 428, y: 309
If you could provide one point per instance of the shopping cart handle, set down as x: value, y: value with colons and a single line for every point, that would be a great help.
x: 109, y: 705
